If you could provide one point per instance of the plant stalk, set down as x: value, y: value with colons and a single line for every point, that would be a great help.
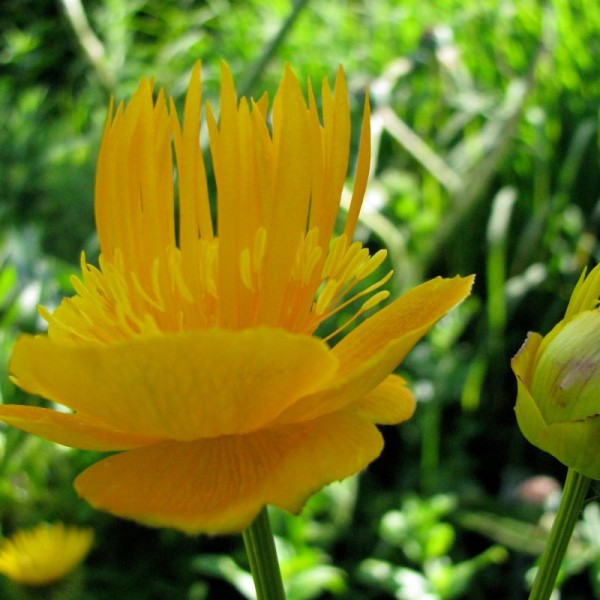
x: 573, y: 497
x: 262, y: 556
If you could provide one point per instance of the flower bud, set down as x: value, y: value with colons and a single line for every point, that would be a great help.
x: 558, y: 378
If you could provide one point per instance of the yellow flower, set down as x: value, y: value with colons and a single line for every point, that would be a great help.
x: 45, y: 554
x: 558, y: 378
x: 192, y: 348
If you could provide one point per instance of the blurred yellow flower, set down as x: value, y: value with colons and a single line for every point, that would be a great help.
x: 191, y: 347
x: 558, y: 377
x: 45, y: 554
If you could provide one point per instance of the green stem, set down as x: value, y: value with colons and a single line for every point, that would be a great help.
x: 262, y: 556
x: 247, y: 86
x: 573, y: 497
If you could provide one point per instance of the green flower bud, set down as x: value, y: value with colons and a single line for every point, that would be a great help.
x: 558, y: 378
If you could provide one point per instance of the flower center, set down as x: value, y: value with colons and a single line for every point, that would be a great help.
x: 268, y: 258
x: 112, y: 304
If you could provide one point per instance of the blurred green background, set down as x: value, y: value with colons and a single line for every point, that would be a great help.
x: 485, y: 140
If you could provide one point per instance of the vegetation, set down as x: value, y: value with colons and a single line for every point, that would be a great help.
x: 486, y: 159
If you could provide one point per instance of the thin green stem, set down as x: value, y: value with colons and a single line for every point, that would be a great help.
x: 270, y: 50
x: 88, y: 41
x: 573, y: 497
x: 262, y: 556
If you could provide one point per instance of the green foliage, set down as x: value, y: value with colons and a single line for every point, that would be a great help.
x: 485, y: 143
x: 425, y: 542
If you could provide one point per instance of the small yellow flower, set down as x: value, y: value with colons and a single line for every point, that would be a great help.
x: 558, y: 378
x: 191, y: 349
x: 45, y: 554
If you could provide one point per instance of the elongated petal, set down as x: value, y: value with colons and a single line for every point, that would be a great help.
x: 77, y: 431
x: 390, y: 403
x: 376, y: 347
x: 288, y: 207
x: 179, y: 386
x: 586, y: 293
x: 220, y: 485
x: 413, y: 314
x: 361, y: 178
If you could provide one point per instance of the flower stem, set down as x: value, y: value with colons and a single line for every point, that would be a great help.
x: 262, y: 556
x: 573, y: 496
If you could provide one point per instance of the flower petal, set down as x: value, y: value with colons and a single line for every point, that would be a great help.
x: 531, y: 422
x: 179, y: 386
x: 376, y: 347
x: 219, y: 485
x: 286, y: 210
x: 390, y: 403
x: 574, y: 443
x: 74, y: 430
x: 409, y: 317
x: 523, y: 362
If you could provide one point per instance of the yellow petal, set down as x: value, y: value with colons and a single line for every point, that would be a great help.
x: 586, y: 293
x: 523, y: 362
x: 531, y: 422
x: 286, y: 210
x: 361, y: 178
x: 219, y: 485
x: 377, y: 346
x: 179, y: 386
x: 226, y: 161
x: 390, y: 403
x: 576, y: 444
x: 410, y: 316
x: 194, y: 205
x: 74, y: 430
